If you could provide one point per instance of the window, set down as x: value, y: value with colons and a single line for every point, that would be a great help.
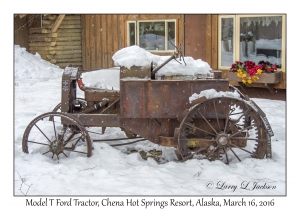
x: 152, y: 35
x: 252, y: 37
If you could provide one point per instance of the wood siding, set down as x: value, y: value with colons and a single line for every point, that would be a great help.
x: 195, y: 36
x: 20, y: 31
x: 201, y: 38
x: 103, y: 35
x: 61, y: 47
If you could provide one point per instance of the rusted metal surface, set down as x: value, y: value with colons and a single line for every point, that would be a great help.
x: 217, y: 74
x: 162, y: 99
x: 152, y: 129
x: 96, y: 95
x: 103, y: 120
x: 166, y: 141
x: 143, y: 72
x: 68, y: 88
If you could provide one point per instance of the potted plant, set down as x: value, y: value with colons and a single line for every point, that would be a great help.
x: 249, y: 72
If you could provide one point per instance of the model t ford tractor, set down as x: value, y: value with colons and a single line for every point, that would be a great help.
x: 158, y: 109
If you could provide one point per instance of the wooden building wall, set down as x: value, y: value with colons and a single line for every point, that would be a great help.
x: 89, y: 41
x: 62, y: 47
x: 105, y: 34
x: 201, y: 37
x: 22, y: 23
x: 102, y: 36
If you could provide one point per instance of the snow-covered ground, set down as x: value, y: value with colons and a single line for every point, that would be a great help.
x: 115, y: 171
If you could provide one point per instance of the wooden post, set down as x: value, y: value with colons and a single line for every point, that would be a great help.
x: 57, y: 23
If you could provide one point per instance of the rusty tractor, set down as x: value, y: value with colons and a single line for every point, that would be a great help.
x: 145, y: 108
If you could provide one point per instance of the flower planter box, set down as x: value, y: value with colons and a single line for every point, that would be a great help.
x: 266, y: 78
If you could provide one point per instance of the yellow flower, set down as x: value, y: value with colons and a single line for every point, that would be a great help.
x: 249, y: 81
x: 255, y: 77
x: 244, y: 76
x: 239, y: 71
x: 259, y: 71
x: 244, y: 81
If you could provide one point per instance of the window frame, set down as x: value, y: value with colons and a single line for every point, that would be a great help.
x: 137, y: 40
x: 128, y: 32
x: 220, y: 41
x: 236, y: 43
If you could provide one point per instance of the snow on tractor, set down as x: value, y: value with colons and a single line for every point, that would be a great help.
x: 155, y: 108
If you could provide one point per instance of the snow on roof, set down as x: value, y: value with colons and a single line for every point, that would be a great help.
x: 136, y: 56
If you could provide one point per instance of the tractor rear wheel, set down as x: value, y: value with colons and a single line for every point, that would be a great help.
x: 223, y: 128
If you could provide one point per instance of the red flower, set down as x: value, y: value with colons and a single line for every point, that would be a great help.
x: 274, y: 66
x: 252, y: 71
x: 251, y: 68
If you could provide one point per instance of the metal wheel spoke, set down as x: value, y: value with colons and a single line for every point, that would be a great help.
x: 73, y: 145
x: 208, y: 123
x: 196, y: 139
x: 243, y: 149
x: 217, y: 115
x: 45, y: 152
x: 64, y: 154
x: 62, y: 135
x: 239, y: 131
x: 234, y: 154
x: 54, y: 128
x: 188, y: 124
x: 245, y: 138
x: 236, y: 113
x: 212, y: 152
x: 227, y: 119
x: 77, y: 139
x: 38, y: 143
x: 226, y: 155
x: 199, y: 150
x: 236, y: 121
x: 42, y: 133
x: 69, y: 138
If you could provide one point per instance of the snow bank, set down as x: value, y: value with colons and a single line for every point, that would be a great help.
x: 136, y: 56
x: 29, y: 66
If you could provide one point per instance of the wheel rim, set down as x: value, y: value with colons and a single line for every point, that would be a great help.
x: 222, y: 129
x: 62, y: 136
